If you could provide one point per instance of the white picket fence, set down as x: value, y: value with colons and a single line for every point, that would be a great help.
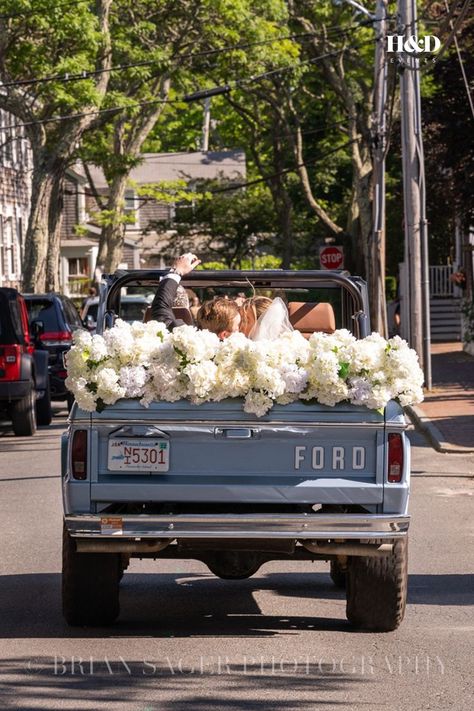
x: 440, y: 284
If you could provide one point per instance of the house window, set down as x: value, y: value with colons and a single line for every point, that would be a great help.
x: 78, y: 266
x: 130, y: 207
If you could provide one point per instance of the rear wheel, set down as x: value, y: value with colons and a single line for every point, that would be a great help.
x: 44, y: 413
x: 377, y: 589
x: 23, y: 414
x: 338, y: 575
x: 90, y: 586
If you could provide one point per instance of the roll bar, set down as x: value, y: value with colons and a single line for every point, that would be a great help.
x: 355, y: 286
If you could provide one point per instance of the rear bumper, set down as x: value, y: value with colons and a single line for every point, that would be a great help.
x: 14, y: 389
x: 300, y: 526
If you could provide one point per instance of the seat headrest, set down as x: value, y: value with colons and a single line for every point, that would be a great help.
x: 308, y: 317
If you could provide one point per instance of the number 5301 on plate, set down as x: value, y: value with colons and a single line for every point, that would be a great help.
x: 138, y: 455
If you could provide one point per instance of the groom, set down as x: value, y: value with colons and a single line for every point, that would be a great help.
x: 221, y: 316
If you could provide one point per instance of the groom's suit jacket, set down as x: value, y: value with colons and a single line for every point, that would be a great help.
x: 162, y: 306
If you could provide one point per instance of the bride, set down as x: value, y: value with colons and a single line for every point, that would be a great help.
x: 264, y: 318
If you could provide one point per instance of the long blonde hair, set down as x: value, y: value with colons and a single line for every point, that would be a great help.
x: 251, y: 310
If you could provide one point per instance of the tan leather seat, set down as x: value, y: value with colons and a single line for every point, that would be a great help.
x: 184, y: 314
x: 308, y: 317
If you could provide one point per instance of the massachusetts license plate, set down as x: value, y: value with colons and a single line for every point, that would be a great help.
x: 139, y: 455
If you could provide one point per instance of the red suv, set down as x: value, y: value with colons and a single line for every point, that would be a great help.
x: 24, y: 384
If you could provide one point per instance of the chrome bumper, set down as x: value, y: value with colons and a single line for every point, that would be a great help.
x: 317, y: 526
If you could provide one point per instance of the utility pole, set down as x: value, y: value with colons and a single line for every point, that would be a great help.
x: 206, y: 124
x: 377, y: 247
x: 415, y: 224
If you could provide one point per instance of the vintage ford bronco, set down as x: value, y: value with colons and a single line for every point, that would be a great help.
x: 304, y: 482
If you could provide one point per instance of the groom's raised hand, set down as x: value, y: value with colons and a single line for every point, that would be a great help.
x: 185, y: 263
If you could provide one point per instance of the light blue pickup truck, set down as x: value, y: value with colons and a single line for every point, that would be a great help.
x: 304, y: 482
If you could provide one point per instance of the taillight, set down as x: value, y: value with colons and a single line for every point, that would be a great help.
x: 79, y: 454
x: 395, y: 457
x: 10, y: 362
x: 56, y: 338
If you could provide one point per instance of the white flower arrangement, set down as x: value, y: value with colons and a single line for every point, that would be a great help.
x: 148, y: 362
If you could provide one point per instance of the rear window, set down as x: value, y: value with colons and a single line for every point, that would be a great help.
x: 43, y: 310
x: 132, y: 310
x: 11, y: 330
x: 72, y: 315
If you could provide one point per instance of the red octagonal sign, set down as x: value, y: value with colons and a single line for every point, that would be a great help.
x: 331, y: 257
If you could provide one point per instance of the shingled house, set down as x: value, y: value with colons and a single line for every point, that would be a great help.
x: 143, y: 245
x: 15, y: 195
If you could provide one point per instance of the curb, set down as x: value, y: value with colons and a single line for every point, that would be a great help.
x: 434, y: 435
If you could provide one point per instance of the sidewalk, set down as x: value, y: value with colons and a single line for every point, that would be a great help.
x: 447, y: 414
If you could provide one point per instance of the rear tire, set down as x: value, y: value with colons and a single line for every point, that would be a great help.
x: 377, y: 589
x: 44, y: 414
x: 338, y: 575
x: 23, y: 414
x: 90, y: 586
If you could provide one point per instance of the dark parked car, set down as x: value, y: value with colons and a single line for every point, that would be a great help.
x: 24, y: 382
x: 55, y: 318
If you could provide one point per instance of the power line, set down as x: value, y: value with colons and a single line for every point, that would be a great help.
x: 461, y: 64
x: 239, y: 186
x: 192, y: 97
x: 40, y: 10
x: 285, y: 171
x: 84, y: 75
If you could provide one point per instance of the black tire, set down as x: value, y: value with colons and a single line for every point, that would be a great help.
x: 90, y: 586
x: 44, y: 414
x: 23, y: 414
x: 338, y: 575
x: 377, y: 589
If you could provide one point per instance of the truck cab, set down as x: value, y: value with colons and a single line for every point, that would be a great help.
x: 212, y: 482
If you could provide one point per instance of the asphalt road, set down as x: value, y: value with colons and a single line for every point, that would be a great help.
x: 188, y: 640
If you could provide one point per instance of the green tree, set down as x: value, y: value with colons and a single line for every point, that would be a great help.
x: 189, y: 51
x: 227, y: 226
x: 45, y: 39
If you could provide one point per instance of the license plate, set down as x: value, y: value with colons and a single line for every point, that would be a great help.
x: 135, y: 455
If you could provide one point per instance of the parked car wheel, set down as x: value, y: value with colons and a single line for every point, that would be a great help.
x: 90, y: 586
x: 23, y: 414
x: 377, y: 589
x: 44, y: 414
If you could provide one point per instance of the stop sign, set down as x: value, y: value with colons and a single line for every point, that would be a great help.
x: 331, y: 257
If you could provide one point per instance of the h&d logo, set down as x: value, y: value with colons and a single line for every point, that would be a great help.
x: 409, y: 48
x: 413, y: 44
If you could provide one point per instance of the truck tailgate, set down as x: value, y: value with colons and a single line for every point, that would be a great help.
x: 296, y: 454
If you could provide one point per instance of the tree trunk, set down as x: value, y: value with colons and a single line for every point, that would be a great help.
x: 35, y: 256
x: 55, y: 218
x: 113, y: 233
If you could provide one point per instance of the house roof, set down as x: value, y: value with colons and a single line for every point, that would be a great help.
x: 202, y: 165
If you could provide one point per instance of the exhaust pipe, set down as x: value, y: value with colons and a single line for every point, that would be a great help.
x: 346, y: 549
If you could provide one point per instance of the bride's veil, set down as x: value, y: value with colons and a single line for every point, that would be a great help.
x: 272, y: 323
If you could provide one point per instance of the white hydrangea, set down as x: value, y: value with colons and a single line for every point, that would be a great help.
x: 133, y: 379
x: 146, y: 361
x: 109, y: 389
